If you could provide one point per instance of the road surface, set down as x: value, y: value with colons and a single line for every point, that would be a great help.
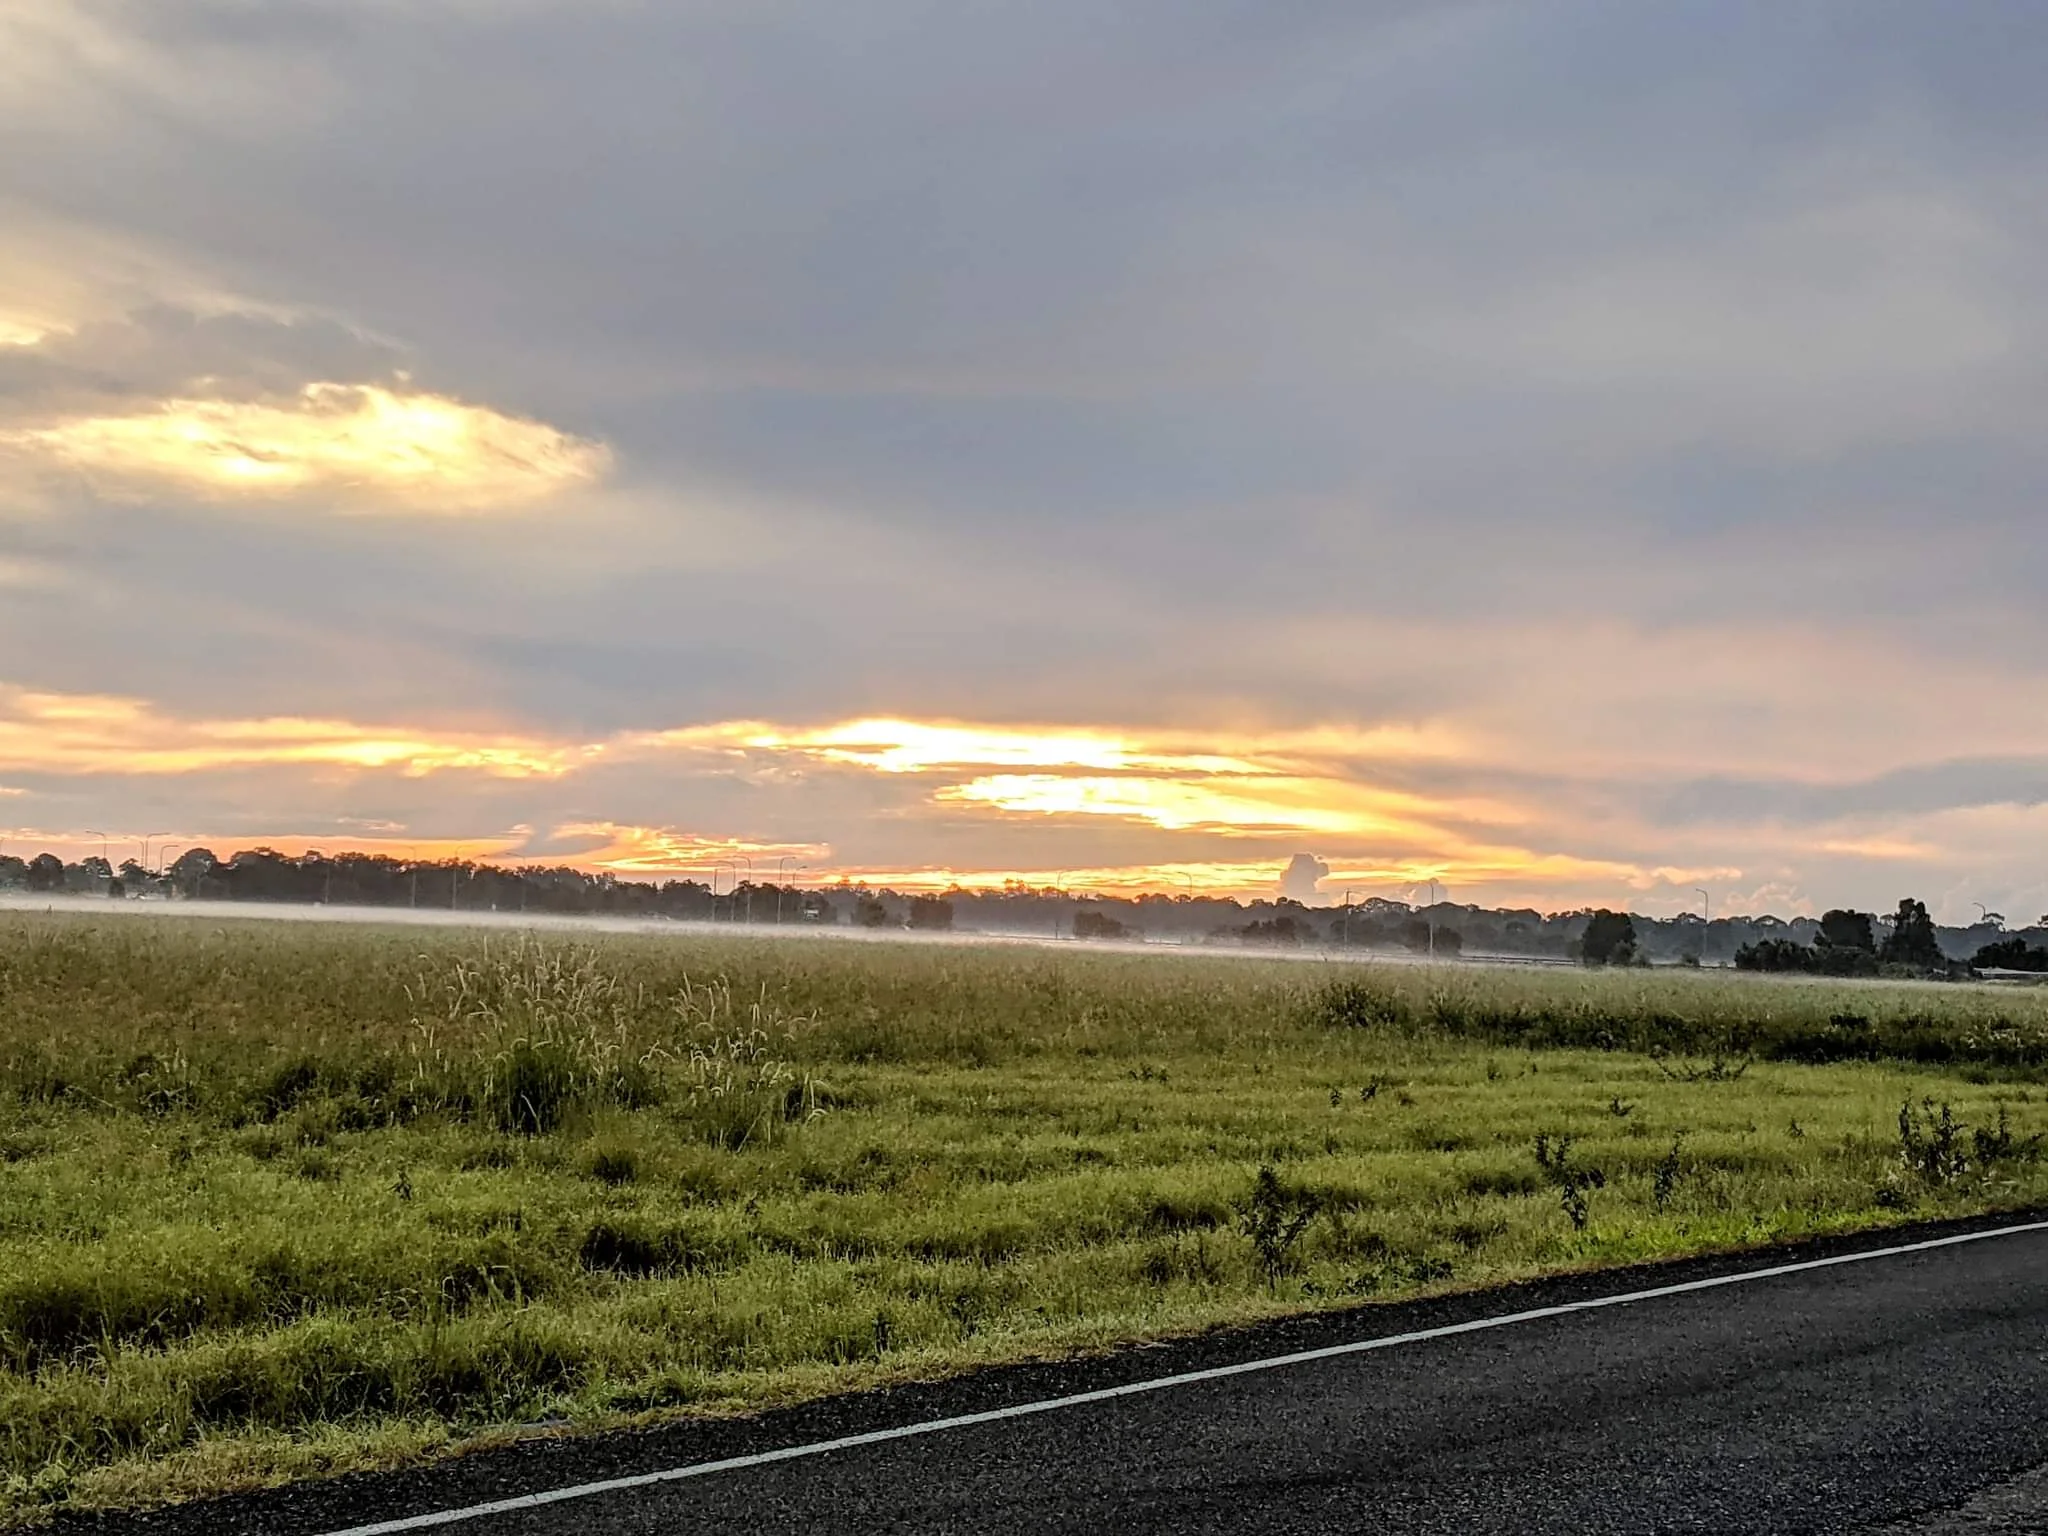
x: 1891, y: 1395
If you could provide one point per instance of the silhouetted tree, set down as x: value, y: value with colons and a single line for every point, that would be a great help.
x: 1845, y: 929
x: 1283, y: 930
x: 1090, y: 924
x: 46, y: 873
x: 1609, y: 939
x: 1912, y: 940
x: 931, y: 912
x: 1774, y: 955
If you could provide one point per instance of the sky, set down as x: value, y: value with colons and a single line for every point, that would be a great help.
x: 1580, y: 453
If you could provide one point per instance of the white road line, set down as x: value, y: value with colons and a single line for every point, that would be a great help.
x: 1158, y: 1384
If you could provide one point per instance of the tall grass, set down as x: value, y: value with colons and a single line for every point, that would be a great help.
x: 275, y: 1197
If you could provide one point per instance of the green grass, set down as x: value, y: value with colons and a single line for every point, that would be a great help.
x: 279, y: 1199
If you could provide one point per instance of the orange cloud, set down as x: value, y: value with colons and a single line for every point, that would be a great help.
x: 89, y: 733
x: 666, y: 851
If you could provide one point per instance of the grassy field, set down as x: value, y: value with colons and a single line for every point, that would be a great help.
x: 278, y: 1199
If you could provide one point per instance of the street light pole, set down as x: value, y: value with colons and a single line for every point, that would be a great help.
x: 1349, y: 892
x: 103, y: 851
x: 781, y: 879
x: 1429, y: 914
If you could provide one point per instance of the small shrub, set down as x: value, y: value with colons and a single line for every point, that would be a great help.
x: 1931, y: 1142
x: 1998, y: 1145
x: 1574, y: 1185
x: 1273, y: 1217
x: 1665, y: 1183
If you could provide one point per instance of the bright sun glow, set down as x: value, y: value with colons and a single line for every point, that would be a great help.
x: 908, y: 746
x: 18, y: 331
x: 1234, y: 808
x: 421, y: 451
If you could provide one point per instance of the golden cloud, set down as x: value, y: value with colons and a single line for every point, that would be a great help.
x: 20, y: 331
x: 415, y: 451
x: 912, y: 746
x: 1235, y: 807
x: 1241, y: 789
x: 666, y: 851
x: 88, y: 733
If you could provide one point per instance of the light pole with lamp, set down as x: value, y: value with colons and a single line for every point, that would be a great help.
x: 782, y: 878
x: 1188, y: 895
x: 1429, y: 915
x: 1349, y: 892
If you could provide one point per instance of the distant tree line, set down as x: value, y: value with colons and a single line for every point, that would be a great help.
x: 1839, y: 943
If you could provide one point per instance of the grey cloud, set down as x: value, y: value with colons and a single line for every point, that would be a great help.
x: 1303, y: 877
x: 162, y: 350
x: 1912, y: 791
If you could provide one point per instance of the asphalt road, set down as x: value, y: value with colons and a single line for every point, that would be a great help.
x: 1897, y: 1395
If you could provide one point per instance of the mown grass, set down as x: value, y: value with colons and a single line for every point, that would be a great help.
x: 278, y: 1199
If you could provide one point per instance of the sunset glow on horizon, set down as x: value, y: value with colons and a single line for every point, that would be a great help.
x: 1214, y: 803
